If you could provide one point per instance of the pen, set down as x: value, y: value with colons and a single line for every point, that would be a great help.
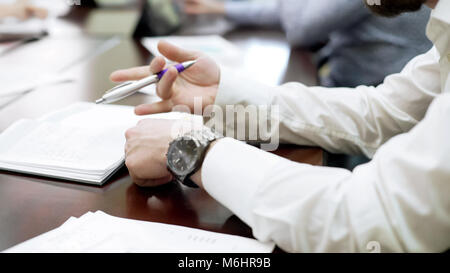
x: 129, y: 88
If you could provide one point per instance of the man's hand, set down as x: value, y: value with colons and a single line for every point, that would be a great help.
x: 204, y: 7
x: 22, y: 10
x: 146, y: 149
x: 199, y: 81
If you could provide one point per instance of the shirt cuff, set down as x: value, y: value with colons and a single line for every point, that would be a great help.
x: 238, y: 89
x: 441, y: 11
x: 231, y: 174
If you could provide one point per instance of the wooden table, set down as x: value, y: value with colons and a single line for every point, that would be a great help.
x: 32, y: 205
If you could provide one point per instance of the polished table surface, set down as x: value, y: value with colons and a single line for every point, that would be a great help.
x: 32, y: 205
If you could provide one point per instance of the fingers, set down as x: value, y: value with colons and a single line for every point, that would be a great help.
x: 154, y: 108
x: 17, y: 11
x: 131, y: 74
x: 157, y: 65
x: 191, y: 6
x: 175, y: 53
x: 152, y: 182
x: 40, y: 13
x: 164, y: 87
x: 204, y: 7
x: 137, y: 73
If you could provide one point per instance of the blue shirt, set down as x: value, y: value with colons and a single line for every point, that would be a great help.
x: 362, y: 48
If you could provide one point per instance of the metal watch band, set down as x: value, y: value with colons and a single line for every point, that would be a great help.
x: 205, y: 137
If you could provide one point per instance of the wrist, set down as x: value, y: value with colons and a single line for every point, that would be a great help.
x: 185, y: 155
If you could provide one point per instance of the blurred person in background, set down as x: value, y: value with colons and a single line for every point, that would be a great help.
x: 361, y: 47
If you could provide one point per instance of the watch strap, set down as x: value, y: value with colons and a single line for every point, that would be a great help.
x: 189, y: 183
x: 205, y: 137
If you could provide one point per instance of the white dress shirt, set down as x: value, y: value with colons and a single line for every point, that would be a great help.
x: 400, y: 200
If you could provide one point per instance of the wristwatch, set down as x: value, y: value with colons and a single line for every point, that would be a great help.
x: 186, y: 154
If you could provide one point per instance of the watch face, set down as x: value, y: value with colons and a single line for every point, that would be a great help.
x: 183, y: 156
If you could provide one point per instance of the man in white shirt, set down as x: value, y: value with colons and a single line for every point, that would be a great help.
x: 400, y: 200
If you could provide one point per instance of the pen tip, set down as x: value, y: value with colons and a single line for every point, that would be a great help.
x: 99, y: 101
x: 189, y: 64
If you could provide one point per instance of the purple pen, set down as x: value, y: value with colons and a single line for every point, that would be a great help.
x: 180, y: 67
x: 129, y: 88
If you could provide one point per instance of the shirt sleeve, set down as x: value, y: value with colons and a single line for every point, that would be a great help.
x: 398, y: 202
x: 340, y: 120
x: 252, y: 13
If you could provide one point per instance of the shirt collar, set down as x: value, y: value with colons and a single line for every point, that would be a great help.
x: 438, y: 28
x: 442, y: 11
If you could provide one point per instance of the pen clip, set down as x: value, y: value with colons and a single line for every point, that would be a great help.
x: 119, y: 86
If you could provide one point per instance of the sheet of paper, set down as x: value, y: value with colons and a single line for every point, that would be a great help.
x: 215, y: 46
x: 205, y: 24
x: 33, y: 72
x: 9, y: 45
x: 18, y: 84
x: 30, y: 27
x: 100, y: 232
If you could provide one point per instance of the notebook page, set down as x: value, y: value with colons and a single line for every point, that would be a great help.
x: 62, y: 146
x: 90, y: 114
x: 94, y: 115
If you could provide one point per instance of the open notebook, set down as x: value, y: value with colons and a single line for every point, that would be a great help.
x: 100, y: 232
x: 83, y: 142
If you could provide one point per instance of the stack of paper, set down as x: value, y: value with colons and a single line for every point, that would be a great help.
x: 100, y: 232
x: 83, y: 142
